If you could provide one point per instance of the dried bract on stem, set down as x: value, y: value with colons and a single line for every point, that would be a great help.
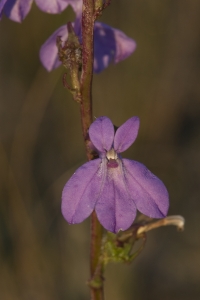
x: 70, y: 54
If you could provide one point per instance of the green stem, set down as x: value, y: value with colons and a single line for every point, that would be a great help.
x: 86, y: 120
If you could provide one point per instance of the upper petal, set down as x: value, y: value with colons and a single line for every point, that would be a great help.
x: 101, y: 134
x: 148, y: 191
x: 115, y: 209
x: 81, y: 191
x: 17, y: 10
x: 52, y: 6
x: 110, y: 45
x: 126, y: 134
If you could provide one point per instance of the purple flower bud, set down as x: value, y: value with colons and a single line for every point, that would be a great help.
x: 112, y: 186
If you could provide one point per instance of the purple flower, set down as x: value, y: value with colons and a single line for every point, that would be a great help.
x: 114, y: 187
x: 110, y: 45
x: 17, y: 10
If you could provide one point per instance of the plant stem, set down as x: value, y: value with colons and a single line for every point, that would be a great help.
x: 86, y: 120
x: 87, y: 68
x: 95, y: 252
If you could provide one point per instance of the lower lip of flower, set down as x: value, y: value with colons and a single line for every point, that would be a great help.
x: 112, y: 163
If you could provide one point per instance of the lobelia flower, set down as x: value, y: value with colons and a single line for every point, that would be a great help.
x: 113, y: 186
x: 110, y: 45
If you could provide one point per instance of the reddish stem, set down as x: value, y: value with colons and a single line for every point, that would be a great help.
x: 86, y: 119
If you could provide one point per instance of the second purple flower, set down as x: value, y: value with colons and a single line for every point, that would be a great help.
x: 114, y: 187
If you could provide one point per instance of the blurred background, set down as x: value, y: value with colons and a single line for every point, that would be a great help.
x: 41, y: 256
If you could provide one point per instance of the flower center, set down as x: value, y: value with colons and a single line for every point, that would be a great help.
x: 111, y: 155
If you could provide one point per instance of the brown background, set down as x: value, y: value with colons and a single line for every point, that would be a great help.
x: 44, y: 258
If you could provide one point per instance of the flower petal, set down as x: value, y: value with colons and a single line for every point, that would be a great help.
x: 110, y: 45
x: 126, y: 134
x: 49, y: 50
x: 115, y: 209
x: 81, y: 191
x: 52, y: 6
x: 2, y: 3
x: 17, y: 10
x: 102, y: 134
x: 148, y: 191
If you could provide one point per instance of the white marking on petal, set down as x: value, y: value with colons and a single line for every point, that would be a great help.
x: 111, y: 154
x: 102, y: 32
x: 106, y: 60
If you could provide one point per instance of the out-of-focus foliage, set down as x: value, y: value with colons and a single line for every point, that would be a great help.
x: 42, y: 257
